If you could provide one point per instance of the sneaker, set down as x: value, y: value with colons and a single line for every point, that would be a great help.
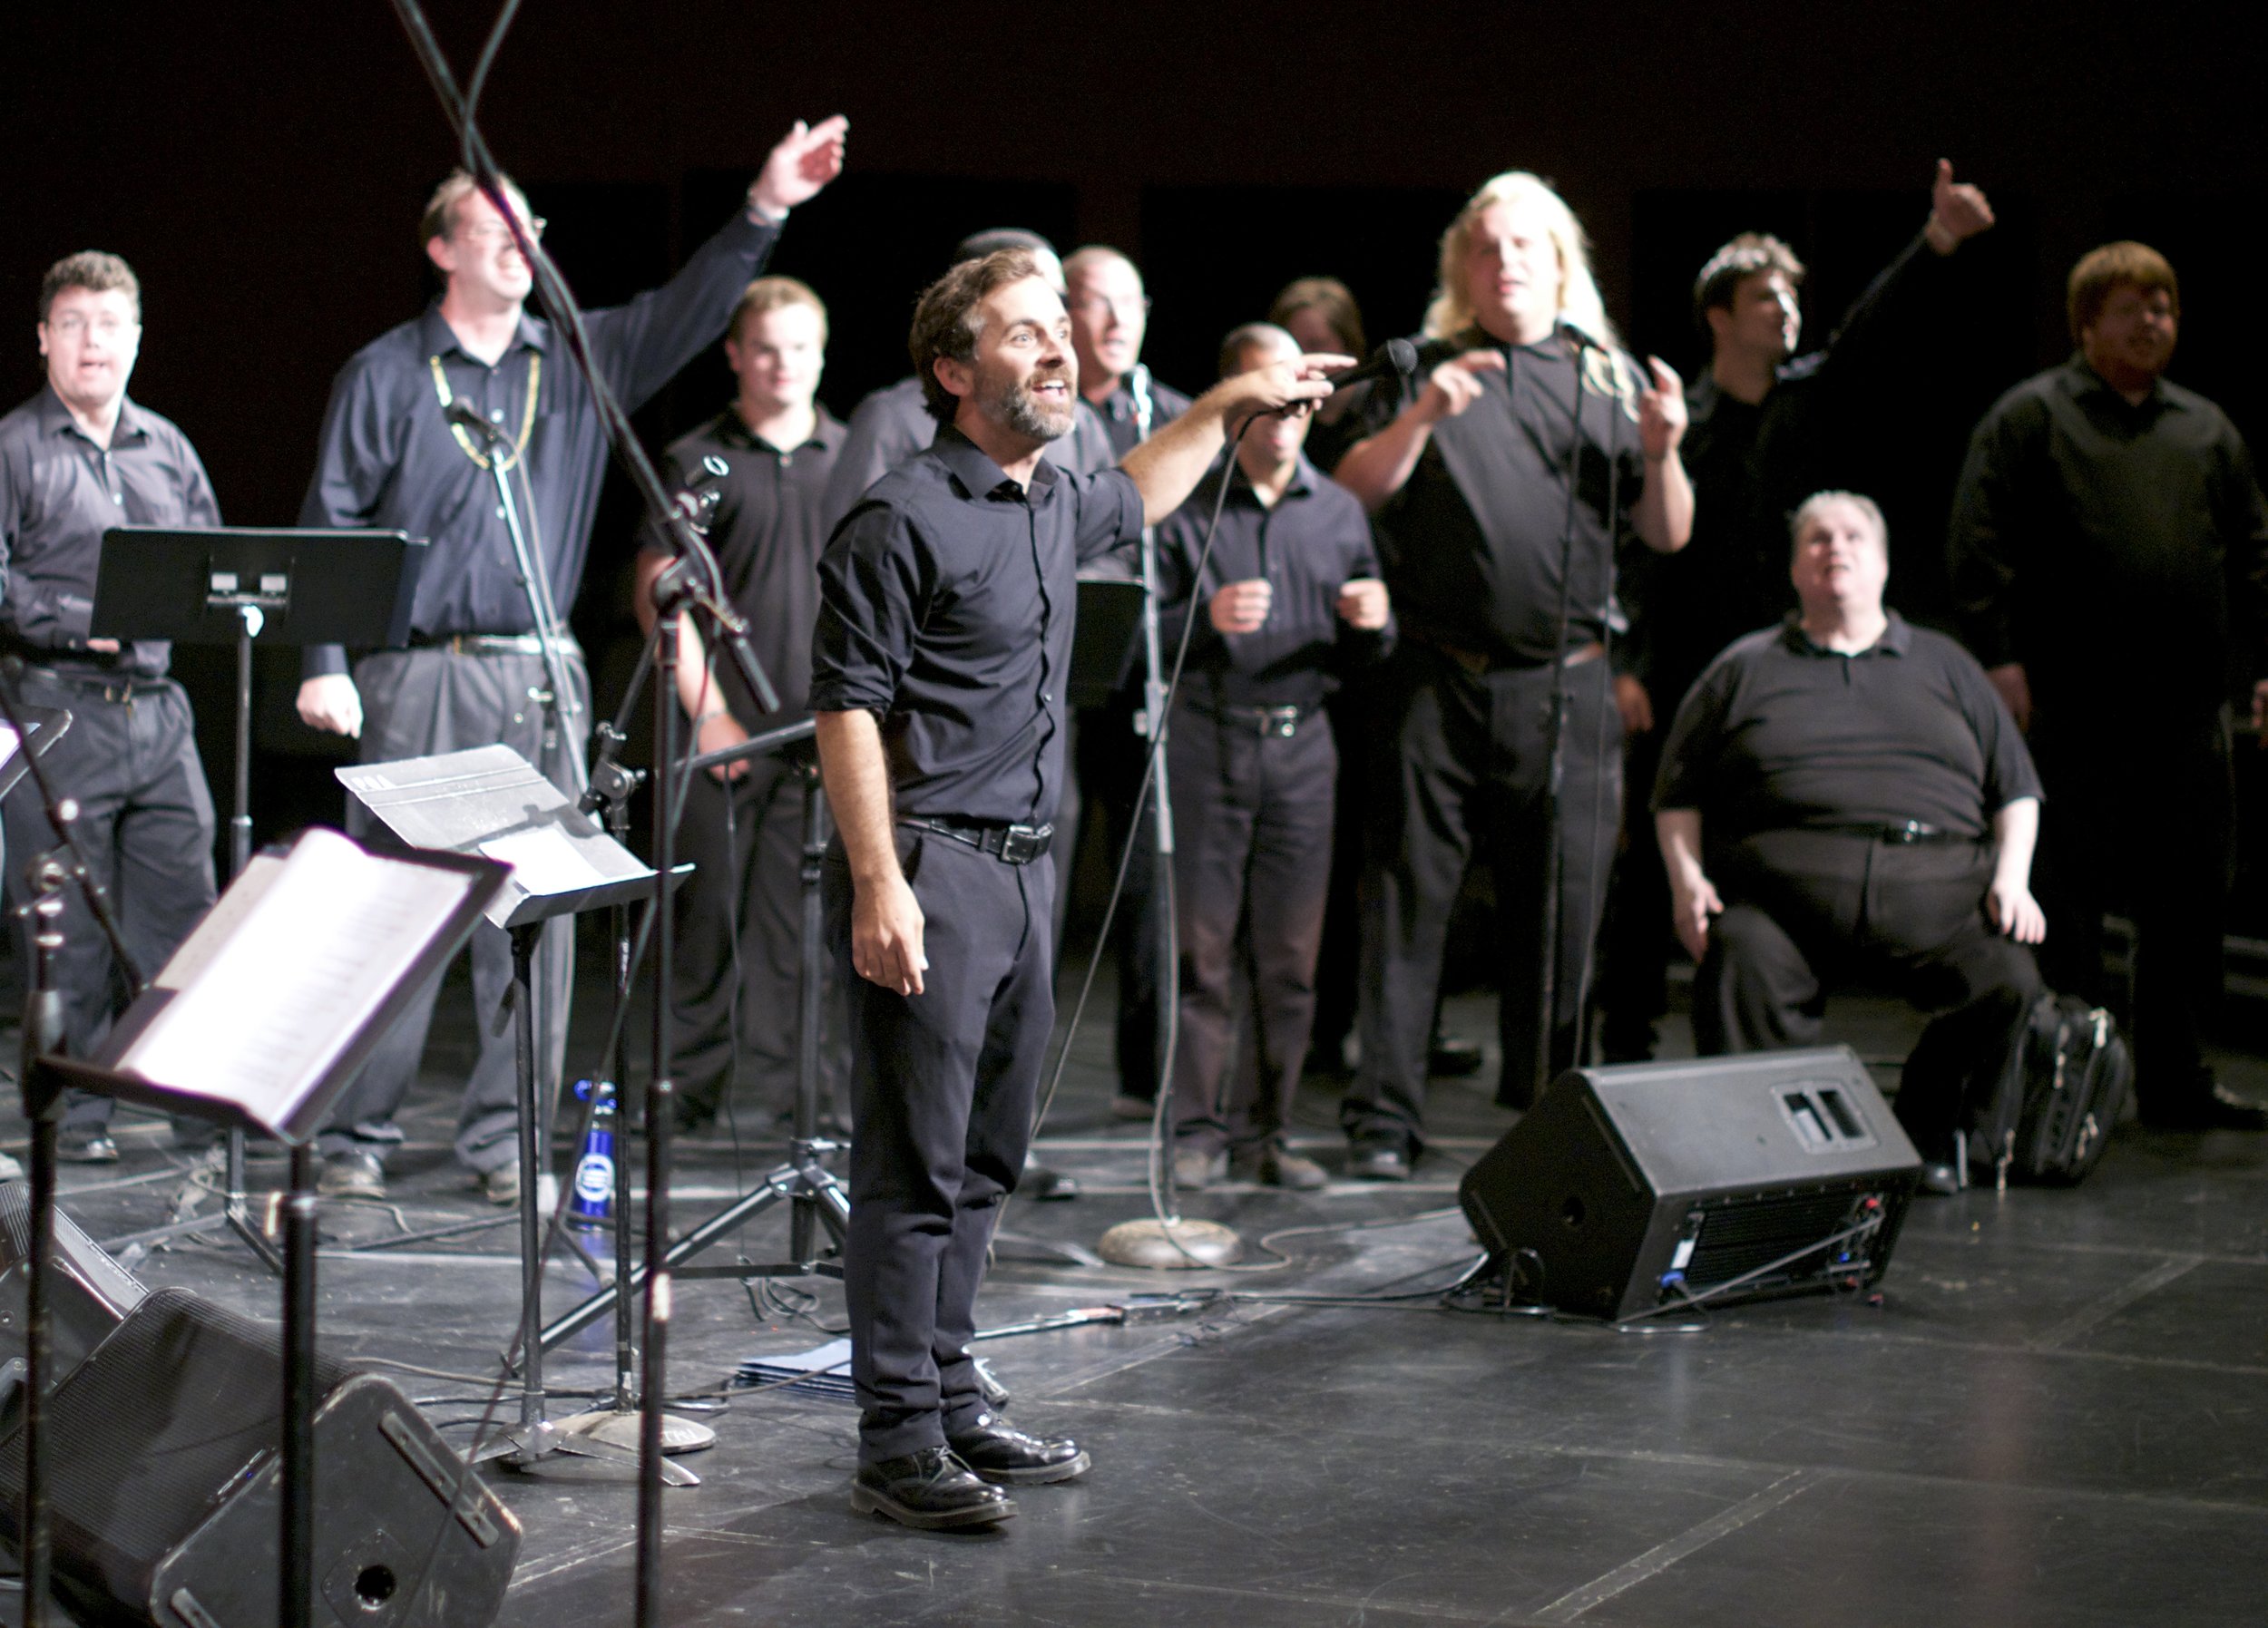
x: 501, y: 1185
x: 353, y: 1173
x: 1274, y: 1167
x: 11, y: 1168
x: 85, y: 1146
x: 1196, y: 1167
x: 1378, y: 1161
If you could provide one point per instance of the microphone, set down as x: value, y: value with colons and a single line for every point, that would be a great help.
x: 465, y: 414
x: 1395, y: 357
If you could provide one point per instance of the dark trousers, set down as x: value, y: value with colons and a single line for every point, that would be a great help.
x: 1637, y: 941
x: 1252, y: 867
x: 1805, y: 911
x: 943, y: 1087
x: 1111, y: 757
x: 416, y: 704
x: 2140, y: 817
x: 1465, y: 774
x: 745, y: 842
x: 146, y: 826
x: 1338, y: 960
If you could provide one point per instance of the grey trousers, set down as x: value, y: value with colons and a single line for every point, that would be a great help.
x: 146, y: 826
x: 418, y: 704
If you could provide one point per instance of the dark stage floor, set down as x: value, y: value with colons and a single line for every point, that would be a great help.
x: 2055, y: 1415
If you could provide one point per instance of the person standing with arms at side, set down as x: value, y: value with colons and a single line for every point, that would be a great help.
x: 1765, y: 428
x: 391, y: 457
x: 1466, y: 477
x: 947, y: 605
x: 743, y: 822
x: 1288, y: 604
x: 1110, y: 312
x: 77, y: 459
x: 2109, y: 553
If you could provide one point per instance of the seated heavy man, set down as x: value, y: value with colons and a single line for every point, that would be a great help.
x: 1871, y: 810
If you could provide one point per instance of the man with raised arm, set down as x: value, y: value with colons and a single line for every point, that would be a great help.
x: 946, y: 602
x: 474, y: 675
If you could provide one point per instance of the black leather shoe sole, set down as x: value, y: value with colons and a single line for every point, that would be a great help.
x: 869, y: 1500
x: 1038, y: 1474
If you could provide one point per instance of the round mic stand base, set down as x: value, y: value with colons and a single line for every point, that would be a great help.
x: 1189, y: 1245
x: 618, y: 1427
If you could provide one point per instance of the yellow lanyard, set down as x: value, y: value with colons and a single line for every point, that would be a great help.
x: 527, y: 414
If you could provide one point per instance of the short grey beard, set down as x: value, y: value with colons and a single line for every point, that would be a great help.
x: 1020, y: 411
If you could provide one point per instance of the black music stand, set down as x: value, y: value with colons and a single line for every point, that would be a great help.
x: 492, y: 802
x: 229, y: 585
x: 259, y: 1021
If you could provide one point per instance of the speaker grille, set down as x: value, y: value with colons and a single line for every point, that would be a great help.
x: 1754, y: 1232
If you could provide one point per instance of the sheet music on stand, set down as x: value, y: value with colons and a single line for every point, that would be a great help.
x: 493, y: 802
x: 268, y: 1007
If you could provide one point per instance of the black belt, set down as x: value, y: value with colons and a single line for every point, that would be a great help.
x: 1011, y: 845
x: 1905, y: 834
x: 491, y: 644
x: 1282, y: 721
x: 113, y: 687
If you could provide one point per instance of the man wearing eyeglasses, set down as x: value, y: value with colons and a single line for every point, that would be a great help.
x: 392, y: 457
x: 1109, y: 314
x: 77, y: 459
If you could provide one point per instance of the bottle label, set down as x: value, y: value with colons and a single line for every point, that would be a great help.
x: 594, y: 1179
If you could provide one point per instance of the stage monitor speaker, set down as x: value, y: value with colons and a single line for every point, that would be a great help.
x: 92, y: 1293
x: 164, y: 1500
x: 1627, y: 1189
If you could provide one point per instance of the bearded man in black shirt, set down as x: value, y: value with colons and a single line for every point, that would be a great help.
x: 1467, y: 476
x: 1870, y: 809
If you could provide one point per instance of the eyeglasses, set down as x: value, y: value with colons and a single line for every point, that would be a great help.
x: 491, y: 232
x: 1102, y: 305
x: 71, y: 325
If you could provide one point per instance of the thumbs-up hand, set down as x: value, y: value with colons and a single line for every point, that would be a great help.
x: 1958, y: 211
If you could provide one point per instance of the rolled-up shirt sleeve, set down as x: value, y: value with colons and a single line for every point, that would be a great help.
x: 874, y: 584
x: 1109, y: 514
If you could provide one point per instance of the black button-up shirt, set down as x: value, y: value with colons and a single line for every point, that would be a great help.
x: 2116, y: 550
x: 59, y: 493
x: 1781, y: 732
x: 892, y: 424
x: 1315, y: 538
x: 766, y: 534
x: 946, y: 600
x: 390, y: 458
x: 1123, y: 424
x: 1471, y: 545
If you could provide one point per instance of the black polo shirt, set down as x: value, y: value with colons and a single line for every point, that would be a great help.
x: 390, y: 458
x: 1313, y: 539
x: 1471, y: 545
x: 892, y: 423
x: 59, y: 493
x: 946, y: 600
x: 2116, y: 550
x: 1780, y: 732
x: 765, y: 530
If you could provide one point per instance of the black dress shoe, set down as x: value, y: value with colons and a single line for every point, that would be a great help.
x: 1939, y: 1180
x: 1045, y: 1186
x: 1377, y: 1161
x: 1452, y: 1058
x: 2219, y: 1109
x: 999, y: 1452
x: 931, y: 1489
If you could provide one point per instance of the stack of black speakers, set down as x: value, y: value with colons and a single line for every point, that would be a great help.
x: 167, y: 1428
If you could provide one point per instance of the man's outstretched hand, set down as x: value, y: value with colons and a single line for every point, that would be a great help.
x: 799, y: 168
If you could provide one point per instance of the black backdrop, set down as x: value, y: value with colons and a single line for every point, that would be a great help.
x: 262, y: 165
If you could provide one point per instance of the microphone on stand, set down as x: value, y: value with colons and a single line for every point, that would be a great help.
x: 464, y: 414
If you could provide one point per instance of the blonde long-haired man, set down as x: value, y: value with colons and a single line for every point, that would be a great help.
x: 1467, y: 478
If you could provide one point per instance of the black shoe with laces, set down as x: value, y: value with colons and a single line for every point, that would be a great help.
x: 932, y: 1490
x: 1000, y: 1453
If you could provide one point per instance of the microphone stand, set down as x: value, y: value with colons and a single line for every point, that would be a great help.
x: 1555, y: 733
